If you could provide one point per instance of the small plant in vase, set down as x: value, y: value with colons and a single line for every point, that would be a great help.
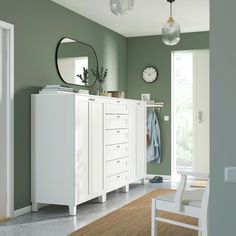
x: 100, y: 76
x: 84, y: 77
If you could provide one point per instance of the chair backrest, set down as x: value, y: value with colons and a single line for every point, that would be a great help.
x: 182, y: 186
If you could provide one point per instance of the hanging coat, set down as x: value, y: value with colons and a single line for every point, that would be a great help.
x: 154, y: 145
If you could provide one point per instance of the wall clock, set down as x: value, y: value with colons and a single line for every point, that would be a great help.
x: 150, y: 74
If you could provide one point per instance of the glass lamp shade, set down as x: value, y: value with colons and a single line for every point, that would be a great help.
x: 122, y: 7
x: 170, y: 32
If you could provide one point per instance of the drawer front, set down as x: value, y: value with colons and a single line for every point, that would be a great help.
x: 116, y: 181
x: 116, y: 136
x: 116, y: 151
x: 116, y: 121
x: 117, y: 166
x: 116, y: 107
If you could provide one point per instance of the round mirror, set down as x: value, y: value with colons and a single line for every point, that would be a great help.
x: 74, y: 61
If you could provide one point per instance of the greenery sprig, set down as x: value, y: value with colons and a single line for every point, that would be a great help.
x: 84, y: 77
x: 100, y: 75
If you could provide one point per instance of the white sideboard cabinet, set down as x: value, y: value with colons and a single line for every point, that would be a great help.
x: 84, y: 147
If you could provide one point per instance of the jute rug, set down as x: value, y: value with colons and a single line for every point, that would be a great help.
x: 3, y: 219
x: 134, y: 219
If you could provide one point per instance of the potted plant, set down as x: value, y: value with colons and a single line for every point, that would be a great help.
x: 100, y: 75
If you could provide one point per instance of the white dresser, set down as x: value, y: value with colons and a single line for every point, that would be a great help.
x: 84, y: 147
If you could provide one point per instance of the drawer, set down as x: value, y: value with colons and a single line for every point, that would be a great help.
x: 116, y: 121
x: 116, y: 151
x: 116, y: 107
x: 116, y: 136
x: 116, y: 181
x: 116, y: 166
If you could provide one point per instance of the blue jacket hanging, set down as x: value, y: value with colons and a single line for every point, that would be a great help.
x: 154, y: 145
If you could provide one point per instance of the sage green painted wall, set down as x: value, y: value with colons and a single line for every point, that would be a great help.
x: 222, y: 207
x: 39, y: 24
x: 143, y: 51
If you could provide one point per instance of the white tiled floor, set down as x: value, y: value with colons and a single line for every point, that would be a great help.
x: 54, y: 220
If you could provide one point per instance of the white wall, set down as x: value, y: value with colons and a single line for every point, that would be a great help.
x: 222, y: 209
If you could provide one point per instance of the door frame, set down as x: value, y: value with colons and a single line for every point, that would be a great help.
x: 8, y: 119
x: 172, y: 111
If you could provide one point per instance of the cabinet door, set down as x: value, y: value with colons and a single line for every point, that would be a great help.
x: 82, y: 149
x: 132, y: 144
x: 141, y: 141
x: 97, y: 146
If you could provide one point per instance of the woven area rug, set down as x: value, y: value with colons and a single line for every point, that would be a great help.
x: 134, y: 219
x: 3, y: 219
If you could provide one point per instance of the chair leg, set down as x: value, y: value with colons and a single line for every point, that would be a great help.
x: 154, y: 223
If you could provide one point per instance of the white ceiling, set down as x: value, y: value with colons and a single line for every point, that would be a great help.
x: 148, y: 16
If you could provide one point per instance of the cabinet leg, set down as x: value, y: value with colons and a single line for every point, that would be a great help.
x: 102, y: 198
x: 72, y: 210
x: 125, y: 189
x: 35, y: 206
x: 143, y: 181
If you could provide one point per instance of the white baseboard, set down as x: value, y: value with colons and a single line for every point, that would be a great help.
x: 27, y: 209
x: 165, y: 177
x: 22, y: 211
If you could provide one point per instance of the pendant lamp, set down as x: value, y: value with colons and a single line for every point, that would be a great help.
x: 122, y: 7
x: 170, y: 29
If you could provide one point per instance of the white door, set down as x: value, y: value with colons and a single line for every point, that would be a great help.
x: 201, y: 110
x: 82, y: 149
x: 190, y: 111
x: 132, y: 144
x: 6, y: 118
x: 96, y: 131
x: 141, y: 141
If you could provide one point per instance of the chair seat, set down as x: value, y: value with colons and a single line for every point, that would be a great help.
x: 190, y: 197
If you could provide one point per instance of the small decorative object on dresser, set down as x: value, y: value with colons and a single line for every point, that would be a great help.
x: 145, y: 97
x: 100, y: 76
x: 117, y: 94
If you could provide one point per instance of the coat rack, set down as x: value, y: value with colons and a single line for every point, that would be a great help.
x: 157, y: 105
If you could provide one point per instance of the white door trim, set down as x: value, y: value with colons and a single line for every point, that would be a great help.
x: 8, y: 108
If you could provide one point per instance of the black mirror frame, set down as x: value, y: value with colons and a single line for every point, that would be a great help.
x: 58, y: 72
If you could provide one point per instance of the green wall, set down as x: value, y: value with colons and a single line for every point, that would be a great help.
x: 143, y: 51
x: 39, y: 25
x: 222, y: 209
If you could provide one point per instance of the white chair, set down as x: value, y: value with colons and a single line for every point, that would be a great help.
x: 192, y: 203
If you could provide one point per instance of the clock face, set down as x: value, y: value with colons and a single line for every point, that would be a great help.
x: 150, y: 74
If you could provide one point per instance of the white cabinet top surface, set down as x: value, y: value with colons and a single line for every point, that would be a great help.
x: 93, y: 96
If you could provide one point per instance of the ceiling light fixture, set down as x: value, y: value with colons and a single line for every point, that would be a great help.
x: 122, y: 7
x: 170, y: 30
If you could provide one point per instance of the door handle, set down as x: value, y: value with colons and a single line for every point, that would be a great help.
x: 200, y: 117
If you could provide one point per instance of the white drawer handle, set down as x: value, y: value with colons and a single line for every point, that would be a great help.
x: 117, y: 161
x: 118, y: 131
x: 118, y: 101
x: 118, y: 117
x: 118, y: 176
x: 118, y: 146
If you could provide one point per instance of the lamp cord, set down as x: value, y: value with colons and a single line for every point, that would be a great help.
x: 171, y: 9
